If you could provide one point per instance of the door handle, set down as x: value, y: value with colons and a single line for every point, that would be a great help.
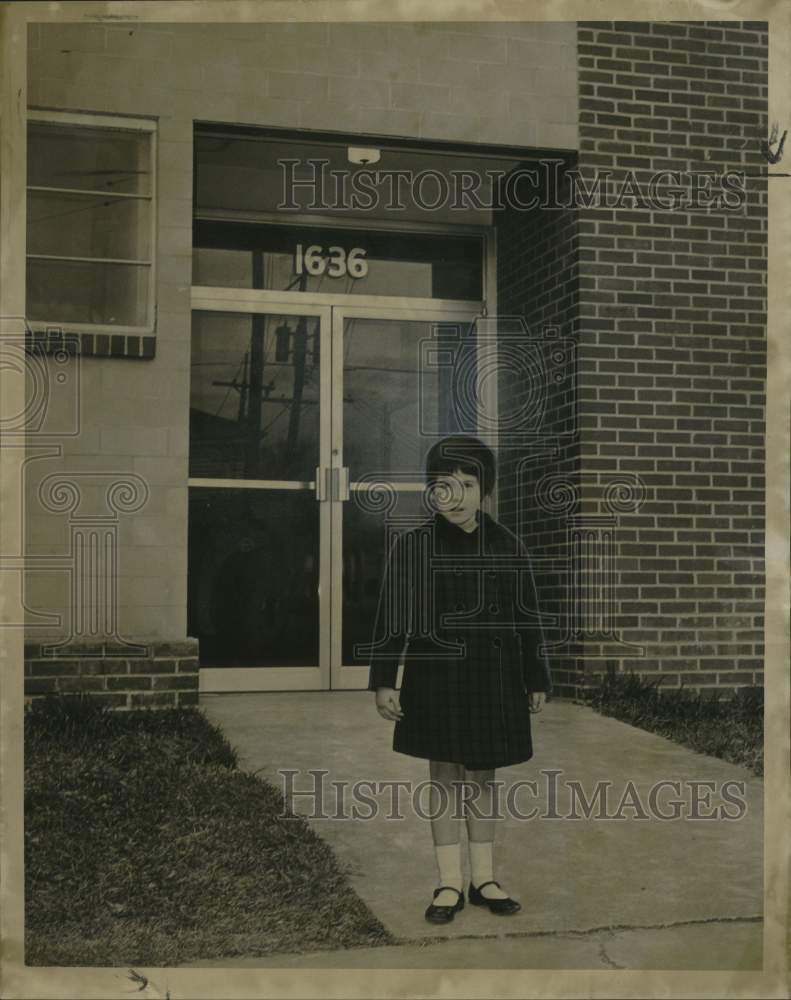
x: 321, y: 482
x: 340, y: 483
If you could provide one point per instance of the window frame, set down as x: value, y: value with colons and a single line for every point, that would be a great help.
x: 124, y: 123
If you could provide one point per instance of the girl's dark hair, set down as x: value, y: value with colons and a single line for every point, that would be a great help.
x: 466, y: 453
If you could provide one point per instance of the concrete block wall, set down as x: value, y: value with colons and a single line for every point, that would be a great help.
x: 672, y: 343
x: 506, y: 83
x: 512, y: 82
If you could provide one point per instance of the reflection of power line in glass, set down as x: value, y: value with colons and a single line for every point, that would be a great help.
x: 234, y: 384
x: 290, y: 352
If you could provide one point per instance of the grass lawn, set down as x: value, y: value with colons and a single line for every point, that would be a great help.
x: 145, y: 845
x: 729, y: 729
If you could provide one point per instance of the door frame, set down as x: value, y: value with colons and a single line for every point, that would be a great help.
x: 331, y: 310
x: 228, y: 679
x: 347, y: 677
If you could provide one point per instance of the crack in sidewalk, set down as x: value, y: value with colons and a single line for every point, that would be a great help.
x: 610, y: 929
x: 605, y: 958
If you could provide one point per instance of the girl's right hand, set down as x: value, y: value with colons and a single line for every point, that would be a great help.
x: 388, y: 704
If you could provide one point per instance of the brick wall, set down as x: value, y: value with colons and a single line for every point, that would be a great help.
x: 668, y: 312
x: 538, y: 279
x: 672, y: 343
x: 165, y: 678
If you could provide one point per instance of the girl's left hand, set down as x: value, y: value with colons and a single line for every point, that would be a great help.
x: 537, y: 699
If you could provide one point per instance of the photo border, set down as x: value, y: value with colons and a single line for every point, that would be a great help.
x: 43, y: 982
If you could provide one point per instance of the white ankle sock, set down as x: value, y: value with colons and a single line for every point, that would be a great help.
x: 482, y: 868
x: 449, y: 866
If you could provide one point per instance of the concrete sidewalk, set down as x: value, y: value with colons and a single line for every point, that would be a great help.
x: 629, y: 890
x: 732, y: 946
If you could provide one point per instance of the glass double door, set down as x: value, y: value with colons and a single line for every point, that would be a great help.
x: 309, y: 426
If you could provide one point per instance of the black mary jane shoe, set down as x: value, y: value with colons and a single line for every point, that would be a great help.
x: 502, y: 907
x: 444, y: 914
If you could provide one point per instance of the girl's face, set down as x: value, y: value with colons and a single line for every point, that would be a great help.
x: 458, y: 498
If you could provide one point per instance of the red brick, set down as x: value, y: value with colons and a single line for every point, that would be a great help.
x: 177, y: 682
x: 69, y: 684
x: 40, y: 685
x: 55, y: 668
x: 153, y: 666
x: 132, y: 683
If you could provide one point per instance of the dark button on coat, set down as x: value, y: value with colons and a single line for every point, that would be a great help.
x: 462, y: 608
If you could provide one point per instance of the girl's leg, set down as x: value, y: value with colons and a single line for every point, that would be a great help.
x: 480, y: 810
x: 445, y: 811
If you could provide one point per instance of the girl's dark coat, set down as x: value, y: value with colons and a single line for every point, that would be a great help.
x: 473, y: 651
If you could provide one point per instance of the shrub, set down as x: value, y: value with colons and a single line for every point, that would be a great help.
x: 729, y: 728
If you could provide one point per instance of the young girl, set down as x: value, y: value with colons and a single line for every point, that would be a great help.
x: 458, y: 593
